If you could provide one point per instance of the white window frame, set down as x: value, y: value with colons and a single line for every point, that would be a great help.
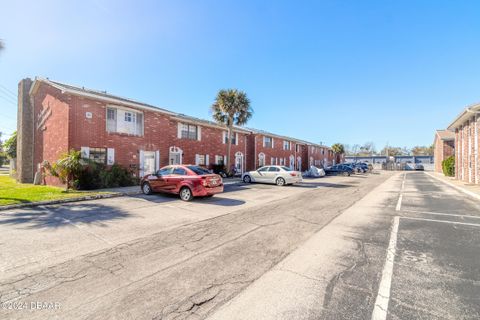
x: 112, y: 125
x: 265, y: 142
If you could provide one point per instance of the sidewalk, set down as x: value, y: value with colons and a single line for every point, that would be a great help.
x: 468, y: 188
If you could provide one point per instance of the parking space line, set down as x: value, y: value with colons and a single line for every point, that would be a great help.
x: 383, y: 297
x: 443, y: 221
x: 400, y: 197
x: 442, y: 214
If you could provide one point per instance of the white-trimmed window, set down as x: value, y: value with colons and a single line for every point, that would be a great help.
x: 189, y: 131
x: 234, y: 137
x: 201, y: 160
x: 98, y: 155
x: 121, y: 120
x: 129, y: 117
x: 219, y: 160
x: 286, y: 145
x: 268, y: 142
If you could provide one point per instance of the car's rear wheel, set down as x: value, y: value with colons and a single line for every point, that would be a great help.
x: 146, y: 189
x: 280, y: 182
x: 247, y: 179
x: 186, y: 194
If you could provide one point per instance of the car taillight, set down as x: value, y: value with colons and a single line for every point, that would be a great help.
x: 204, y: 181
x: 293, y: 174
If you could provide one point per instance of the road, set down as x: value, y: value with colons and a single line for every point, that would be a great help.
x: 410, y: 249
x: 315, y: 251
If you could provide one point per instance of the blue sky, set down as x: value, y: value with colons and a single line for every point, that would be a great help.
x: 324, y: 71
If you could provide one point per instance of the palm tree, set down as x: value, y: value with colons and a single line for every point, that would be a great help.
x: 338, y: 148
x: 231, y: 107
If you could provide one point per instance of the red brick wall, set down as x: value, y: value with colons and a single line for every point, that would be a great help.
x: 317, y: 156
x: 276, y: 152
x: 465, y: 161
x: 69, y: 128
x: 51, y: 138
x: 443, y: 150
x: 438, y: 153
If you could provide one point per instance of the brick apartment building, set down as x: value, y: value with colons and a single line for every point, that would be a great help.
x: 273, y: 149
x: 466, y: 127
x: 54, y: 117
x: 444, y: 147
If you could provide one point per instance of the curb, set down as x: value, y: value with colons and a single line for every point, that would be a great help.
x: 86, y: 198
x: 60, y: 201
x: 470, y: 193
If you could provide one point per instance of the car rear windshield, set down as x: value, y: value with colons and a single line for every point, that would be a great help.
x: 286, y: 168
x: 198, y: 170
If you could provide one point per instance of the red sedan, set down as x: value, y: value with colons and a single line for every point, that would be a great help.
x: 186, y: 180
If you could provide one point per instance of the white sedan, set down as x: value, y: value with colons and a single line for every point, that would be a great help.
x: 279, y: 175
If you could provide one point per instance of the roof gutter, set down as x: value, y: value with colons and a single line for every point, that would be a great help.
x: 464, y: 116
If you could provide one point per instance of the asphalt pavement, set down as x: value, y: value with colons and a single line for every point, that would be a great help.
x: 408, y: 250
x: 381, y: 246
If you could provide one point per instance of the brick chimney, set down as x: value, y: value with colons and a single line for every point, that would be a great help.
x: 25, y: 127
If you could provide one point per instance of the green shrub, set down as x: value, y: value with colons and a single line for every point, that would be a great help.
x: 3, y: 159
x: 448, y: 166
x: 90, y: 176
x: 118, y: 176
x: 84, y: 174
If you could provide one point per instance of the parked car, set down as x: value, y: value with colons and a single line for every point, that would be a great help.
x: 188, y: 181
x: 314, y: 172
x: 361, y: 167
x: 419, y: 167
x: 338, y: 169
x: 279, y: 175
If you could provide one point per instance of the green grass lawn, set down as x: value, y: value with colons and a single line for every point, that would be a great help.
x: 12, y: 192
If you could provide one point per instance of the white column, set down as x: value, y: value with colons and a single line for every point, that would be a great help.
x: 475, y: 150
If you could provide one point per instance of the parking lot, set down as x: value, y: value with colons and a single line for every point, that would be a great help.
x: 383, y: 246
x: 407, y: 250
x: 156, y: 256
x: 436, y: 272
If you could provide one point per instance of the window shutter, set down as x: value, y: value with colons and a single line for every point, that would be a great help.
x: 141, y: 163
x: 264, y: 142
x: 224, y: 134
x: 110, y: 156
x: 216, y: 159
x: 179, y: 131
x: 157, y: 160
x: 199, y: 133
x: 236, y: 138
x: 272, y: 144
x: 207, y: 160
x: 85, y: 152
x: 197, y: 160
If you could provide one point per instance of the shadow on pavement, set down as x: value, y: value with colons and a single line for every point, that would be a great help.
x: 215, y: 200
x: 62, y: 216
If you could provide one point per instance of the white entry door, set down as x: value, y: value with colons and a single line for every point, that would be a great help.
x: 239, y: 162
x: 148, y: 162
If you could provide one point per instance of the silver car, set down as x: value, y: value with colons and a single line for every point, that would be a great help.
x: 279, y: 175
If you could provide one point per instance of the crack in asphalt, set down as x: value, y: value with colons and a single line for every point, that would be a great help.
x: 111, y: 260
x: 361, y: 261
